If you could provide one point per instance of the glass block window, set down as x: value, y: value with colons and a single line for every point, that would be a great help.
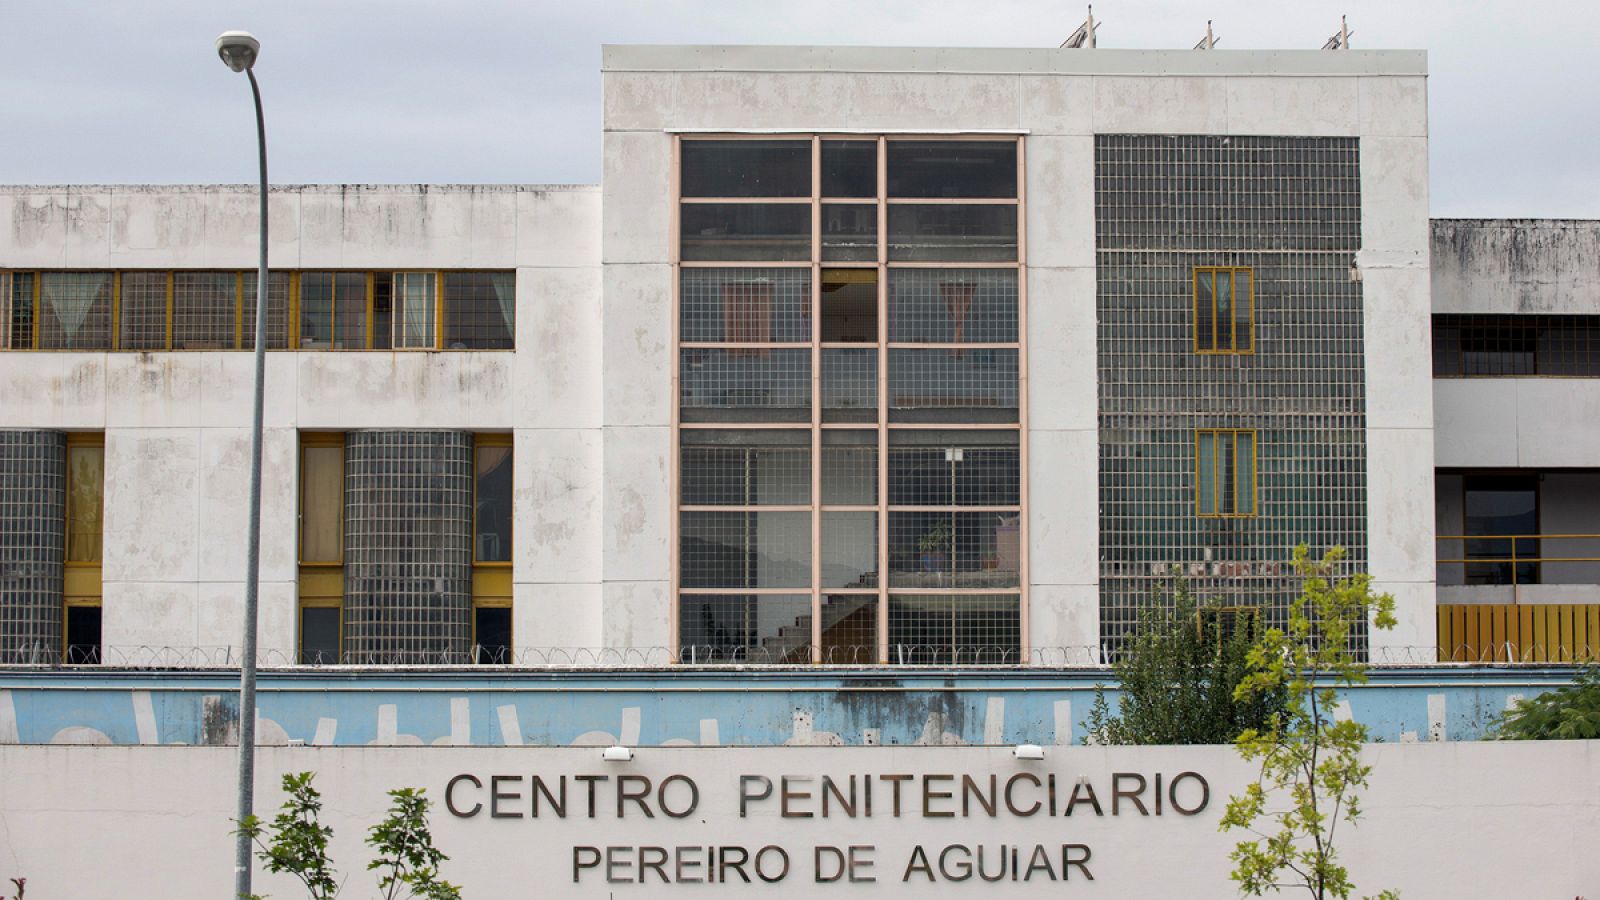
x: 33, y: 528
x: 849, y: 399
x: 1215, y: 464
x: 143, y: 325
x: 278, y: 290
x: 408, y: 547
x: 205, y: 310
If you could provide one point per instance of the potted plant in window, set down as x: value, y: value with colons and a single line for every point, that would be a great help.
x: 934, y: 546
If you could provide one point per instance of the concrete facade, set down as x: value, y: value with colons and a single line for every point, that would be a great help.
x: 586, y: 393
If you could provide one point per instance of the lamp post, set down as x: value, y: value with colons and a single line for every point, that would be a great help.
x: 239, y: 50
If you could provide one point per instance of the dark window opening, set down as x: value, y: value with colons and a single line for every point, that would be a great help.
x: 1501, y: 517
x: 83, y: 635
x: 493, y: 628
x: 319, y: 635
x: 1489, y: 346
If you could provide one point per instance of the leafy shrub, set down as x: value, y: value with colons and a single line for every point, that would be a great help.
x: 1570, y: 713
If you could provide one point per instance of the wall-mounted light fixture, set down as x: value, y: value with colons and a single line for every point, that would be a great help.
x: 1028, y: 751
x: 617, y: 754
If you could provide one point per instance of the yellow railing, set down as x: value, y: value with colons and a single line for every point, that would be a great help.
x: 1512, y: 550
x: 1527, y: 632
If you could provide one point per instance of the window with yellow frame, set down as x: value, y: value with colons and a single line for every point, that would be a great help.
x: 1224, y: 310
x: 1225, y: 472
x: 321, y: 541
x: 492, y: 518
x: 86, y: 457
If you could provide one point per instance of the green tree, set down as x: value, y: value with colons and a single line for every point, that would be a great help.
x: 407, y: 859
x: 1177, y: 677
x: 1568, y: 713
x: 296, y: 842
x: 1311, y: 771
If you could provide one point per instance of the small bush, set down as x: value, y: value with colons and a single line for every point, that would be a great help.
x: 1178, y: 677
x: 1570, y: 713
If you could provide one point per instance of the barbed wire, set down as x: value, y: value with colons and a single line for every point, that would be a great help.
x: 899, y: 656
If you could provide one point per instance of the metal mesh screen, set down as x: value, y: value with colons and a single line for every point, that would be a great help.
x: 16, y: 310
x: 749, y: 628
x: 745, y: 385
x: 277, y: 311
x: 1288, y: 209
x: 75, y: 310
x: 480, y: 310
x: 204, y: 310
x: 408, y: 547
x: 1491, y: 346
x: 143, y: 311
x: 954, y: 629
x: 33, y: 502
x: 745, y: 305
x: 978, y: 386
x: 953, y: 306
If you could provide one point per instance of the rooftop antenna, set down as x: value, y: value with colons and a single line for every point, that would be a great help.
x: 1209, y: 41
x: 1341, y: 39
x: 1084, y: 36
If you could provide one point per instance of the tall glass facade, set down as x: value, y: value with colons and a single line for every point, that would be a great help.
x: 849, y: 466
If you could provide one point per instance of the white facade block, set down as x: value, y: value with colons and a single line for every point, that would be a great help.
x: 1394, y: 106
x: 219, y: 621
x: 638, y: 345
x: 1160, y: 105
x: 740, y: 100
x: 1064, y: 624
x: 152, y: 498
x: 1397, y: 336
x: 53, y: 390
x: 1060, y: 186
x: 1394, y: 195
x: 1476, y: 422
x: 556, y: 617
x: 924, y: 100
x: 141, y: 617
x: 1056, y: 104
x: 558, y: 227
x: 1061, y: 349
x: 1414, y: 639
x: 1400, y: 506
x: 638, y: 505
x: 1301, y: 106
x: 637, y: 617
x: 1063, y: 498
x: 636, y: 209
x: 559, y: 342
x: 558, y: 506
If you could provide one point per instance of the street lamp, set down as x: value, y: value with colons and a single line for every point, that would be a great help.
x: 239, y: 50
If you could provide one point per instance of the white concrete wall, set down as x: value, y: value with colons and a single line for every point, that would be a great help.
x: 1521, y: 423
x: 177, y: 424
x: 102, y: 822
x: 1516, y: 266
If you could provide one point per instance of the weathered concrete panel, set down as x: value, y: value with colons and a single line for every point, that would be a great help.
x: 138, y: 617
x: 559, y: 371
x: 1394, y: 194
x: 1394, y: 106
x: 1397, y: 344
x: 931, y: 101
x: 1298, y: 106
x: 225, y: 503
x: 1558, y: 422
x: 1061, y: 349
x: 1475, y: 422
x: 553, y: 620
x: 1160, y: 105
x: 1400, y: 508
x: 637, y: 206
x: 152, y: 502
x: 1056, y: 104
x: 637, y: 504
x: 53, y: 390
x: 219, y: 620
x: 1064, y: 505
x: 558, y: 228
x: 636, y: 615
x: 558, y: 506
x: 1060, y: 196
x: 1516, y: 266
x: 637, y: 334
x: 1064, y: 624
x: 739, y: 101
x: 153, y: 389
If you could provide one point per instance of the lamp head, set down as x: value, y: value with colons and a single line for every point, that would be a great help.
x: 238, y: 49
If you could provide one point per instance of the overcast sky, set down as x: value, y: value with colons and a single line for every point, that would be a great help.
x: 509, y: 91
